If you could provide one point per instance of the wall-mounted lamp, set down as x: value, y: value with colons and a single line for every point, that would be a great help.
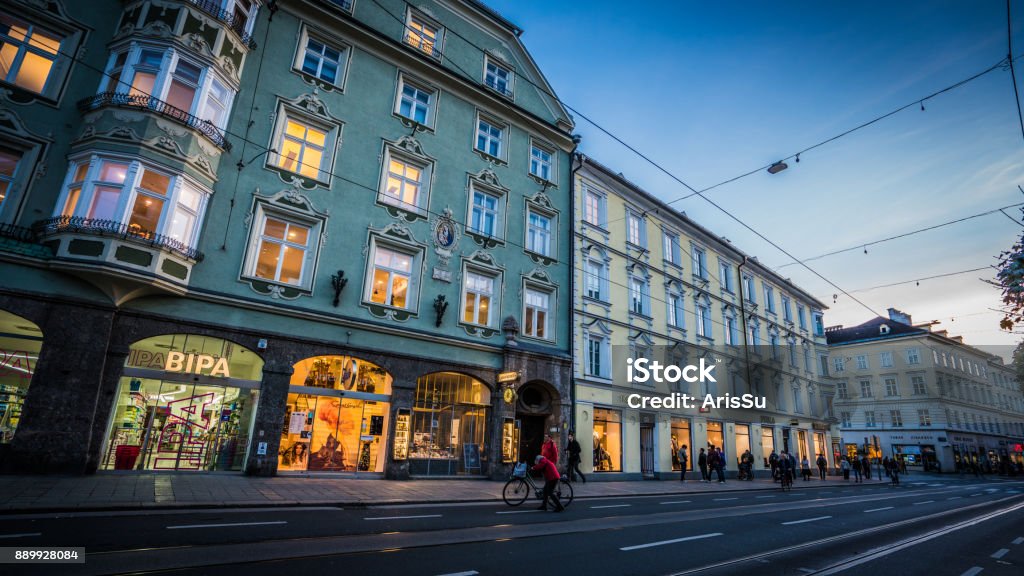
x: 338, y: 282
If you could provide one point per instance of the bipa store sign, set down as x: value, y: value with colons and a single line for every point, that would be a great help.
x: 181, y: 362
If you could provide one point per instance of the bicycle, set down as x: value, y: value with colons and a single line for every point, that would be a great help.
x: 787, y: 480
x: 519, y: 484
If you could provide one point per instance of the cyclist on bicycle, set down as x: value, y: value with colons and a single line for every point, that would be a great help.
x: 551, y: 477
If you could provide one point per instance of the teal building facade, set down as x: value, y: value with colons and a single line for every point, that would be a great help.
x: 296, y: 237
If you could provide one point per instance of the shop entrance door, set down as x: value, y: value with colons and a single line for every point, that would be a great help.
x: 647, y: 450
x: 531, y: 437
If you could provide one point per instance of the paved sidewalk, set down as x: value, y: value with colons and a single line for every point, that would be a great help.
x: 150, y: 491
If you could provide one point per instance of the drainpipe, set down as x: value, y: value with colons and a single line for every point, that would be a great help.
x: 576, y: 161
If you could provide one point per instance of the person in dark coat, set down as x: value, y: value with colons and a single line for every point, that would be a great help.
x: 684, y: 459
x: 822, y: 464
x: 551, y: 477
x: 702, y: 462
x: 572, y: 452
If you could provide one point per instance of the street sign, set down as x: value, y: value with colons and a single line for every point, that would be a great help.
x: 261, y: 449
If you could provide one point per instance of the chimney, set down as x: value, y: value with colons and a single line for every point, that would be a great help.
x: 899, y: 316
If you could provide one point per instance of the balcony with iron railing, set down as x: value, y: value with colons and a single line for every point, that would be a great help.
x: 214, y: 10
x: 156, y: 106
x: 114, y: 229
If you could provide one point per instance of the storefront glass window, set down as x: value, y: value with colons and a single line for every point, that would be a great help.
x: 819, y: 445
x: 742, y: 441
x: 801, y: 445
x: 449, y: 425
x: 767, y: 443
x: 715, y: 436
x: 185, y: 402
x: 20, y: 342
x: 337, y: 416
x: 607, y: 440
x: 681, y: 437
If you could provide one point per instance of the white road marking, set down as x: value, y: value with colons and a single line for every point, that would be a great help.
x: 673, y: 541
x: 879, y: 509
x: 406, y: 517
x: 1000, y: 553
x: 466, y: 573
x: 611, y: 506
x: 185, y: 526
x: 972, y: 571
x: 806, y: 520
x: 976, y: 494
x: 676, y: 502
x: 772, y: 496
x: 25, y: 535
x: 925, y: 502
x: 1018, y: 540
x: 723, y: 499
x: 955, y: 498
x: 520, y: 511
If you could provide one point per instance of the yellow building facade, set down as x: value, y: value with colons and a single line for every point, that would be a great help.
x: 650, y: 282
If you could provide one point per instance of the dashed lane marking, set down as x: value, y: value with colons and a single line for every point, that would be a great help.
x: 23, y: 535
x: 519, y: 511
x: 676, y: 502
x: 879, y: 509
x: 972, y: 571
x: 673, y: 541
x: 1018, y: 540
x: 466, y: 573
x: 404, y: 517
x: 1000, y: 553
x: 611, y: 506
x: 724, y: 499
x: 186, y: 526
x: 925, y: 502
x: 805, y: 520
x: 955, y: 498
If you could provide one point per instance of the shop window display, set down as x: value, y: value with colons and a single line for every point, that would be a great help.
x: 20, y: 342
x: 172, y: 413
x: 767, y: 443
x: 715, y: 436
x: 449, y: 425
x: 607, y: 440
x: 742, y: 442
x: 680, y: 438
x: 337, y: 416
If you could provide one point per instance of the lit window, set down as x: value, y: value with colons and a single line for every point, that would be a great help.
x: 391, y: 277
x: 541, y: 162
x: 282, y: 251
x: 135, y: 194
x: 498, y: 78
x: 181, y: 94
x: 27, y: 54
x: 301, y: 148
x: 423, y: 35
x: 489, y: 137
x: 538, y: 234
x: 478, y: 293
x: 403, y: 183
x: 323, y: 61
x: 536, y: 313
x: 9, y: 160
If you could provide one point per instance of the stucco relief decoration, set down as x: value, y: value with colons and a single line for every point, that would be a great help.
x: 539, y: 275
x: 311, y: 102
x: 399, y: 231
x: 123, y: 132
x: 123, y: 116
x: 157, y: 28
x: 488, y: 176
x: 168, y: 144
x: 198, y: 43
x: 410, y: 144
x: 171, y: 129
x: 204, y: 164
x: 541, y: 199
x: 228, y: 66
x: 483, y: 258
x: 445, y: 236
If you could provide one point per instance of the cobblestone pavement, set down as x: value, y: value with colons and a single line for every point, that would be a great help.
x: 134, y: 491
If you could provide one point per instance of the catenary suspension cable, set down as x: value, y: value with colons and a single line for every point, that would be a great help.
x: 1013, y: 73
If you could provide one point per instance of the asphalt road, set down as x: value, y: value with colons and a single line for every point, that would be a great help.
x: 937, y: 527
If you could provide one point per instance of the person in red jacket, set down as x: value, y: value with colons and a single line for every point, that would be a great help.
x: 551, y: 477
x: 549, y: 450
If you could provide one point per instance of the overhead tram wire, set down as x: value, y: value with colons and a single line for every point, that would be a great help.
x: 1013, y: 73
x: 864, y: 245
x: 922, y: 279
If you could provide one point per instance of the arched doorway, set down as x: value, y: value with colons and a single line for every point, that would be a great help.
x: 537, y: 402
x: 337, y: 416
x: 20, y: 343
x: 451, y: 414
x: 185, y: 402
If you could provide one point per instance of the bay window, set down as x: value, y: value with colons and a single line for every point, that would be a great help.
x: 164, y: 74
x: 146, y: 198
x: 9, y: 160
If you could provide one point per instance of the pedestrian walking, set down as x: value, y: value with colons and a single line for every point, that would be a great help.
x: 572, y: 453
x: 684, y: 458
x: 551, y: 477
x: 844, y: 466
x: 549, y: 450
x: 855, y: 465
x: 702, y: 462
x: 773, y: 463
x: 805, y: 468
x: 822, y: 464
x: 865, y: 466
x: 718, y: 465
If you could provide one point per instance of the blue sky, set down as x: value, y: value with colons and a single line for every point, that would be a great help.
x: 711, y: 90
